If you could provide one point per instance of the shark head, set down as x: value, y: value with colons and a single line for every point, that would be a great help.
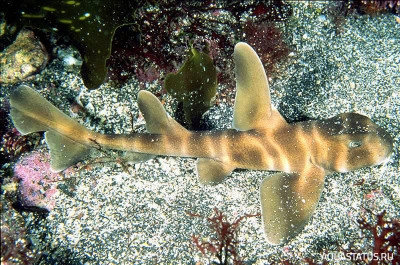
x: 352, y: 141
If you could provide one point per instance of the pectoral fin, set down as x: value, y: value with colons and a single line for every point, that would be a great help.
x: 211, y: 171
x: 288, y: 201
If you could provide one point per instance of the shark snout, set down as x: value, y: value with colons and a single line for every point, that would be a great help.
x: 385, y: 146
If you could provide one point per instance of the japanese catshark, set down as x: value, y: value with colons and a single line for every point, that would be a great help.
x: 261, y: 139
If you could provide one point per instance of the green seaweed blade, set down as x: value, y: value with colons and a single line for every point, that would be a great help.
x: 195, y: 85
x: 90, y: 25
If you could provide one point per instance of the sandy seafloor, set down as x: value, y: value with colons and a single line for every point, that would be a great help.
x: 139, y: 217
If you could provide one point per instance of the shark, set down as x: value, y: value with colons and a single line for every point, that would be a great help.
x: 301, y: 154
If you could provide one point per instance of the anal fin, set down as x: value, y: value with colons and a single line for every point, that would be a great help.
x: 64, y: 152
x: 288, y: 202
x: 212, y: 171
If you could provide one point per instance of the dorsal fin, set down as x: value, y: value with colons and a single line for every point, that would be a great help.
x: 252, y: 102
x: 157, y: 119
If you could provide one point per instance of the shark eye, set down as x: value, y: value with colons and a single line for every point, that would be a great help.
x: 354, y: 144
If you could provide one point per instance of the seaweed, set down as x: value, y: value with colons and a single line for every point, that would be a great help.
x: 15, y: 248
x: 385, y: 237
x: 152, y: 28
x: 381, y: 234
x: 340, y: 10
x: 267, y: 41
x: 223, y: 245
x: 373, y: 7
x: 89, y: 24
x: 151, y: 46
x: 194, y: 86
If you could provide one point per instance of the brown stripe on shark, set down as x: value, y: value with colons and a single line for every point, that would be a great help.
x: 228, y: 146
x: 295, y: 151
x: 318, y: 145
x: 208, y: 142
x: 281, y: 162
x: 303, y: 142
x: 271, y: 154
x: 176, y: 144
x: 338, y: 154
x: 222, y: 143
x: 247, y: 151
x: 293, y: 148
x: 183, y: 142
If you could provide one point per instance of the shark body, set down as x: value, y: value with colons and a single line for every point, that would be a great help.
x: 261, y: 139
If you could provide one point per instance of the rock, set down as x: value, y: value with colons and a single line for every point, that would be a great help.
x: 23, y: 58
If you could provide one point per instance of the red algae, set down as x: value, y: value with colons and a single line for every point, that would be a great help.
x: 38, y: 184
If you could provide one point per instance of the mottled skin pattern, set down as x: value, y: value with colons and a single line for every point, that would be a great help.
x: 260, y: 139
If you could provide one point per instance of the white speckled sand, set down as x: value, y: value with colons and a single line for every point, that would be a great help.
x: 140, y: 218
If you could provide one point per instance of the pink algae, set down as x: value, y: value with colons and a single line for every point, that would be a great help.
x: 37, y: 182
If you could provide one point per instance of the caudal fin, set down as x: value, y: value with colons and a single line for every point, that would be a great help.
x: 30, y: 112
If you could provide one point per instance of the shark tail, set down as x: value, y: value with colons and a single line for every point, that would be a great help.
x: 30, y: 112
